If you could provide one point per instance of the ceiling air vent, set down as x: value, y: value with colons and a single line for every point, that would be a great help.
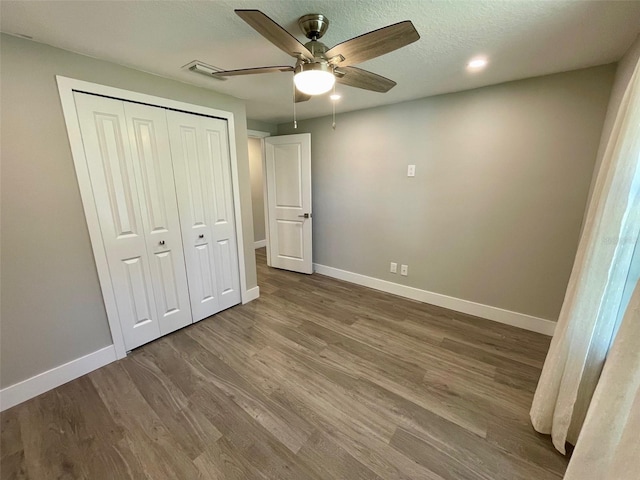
x: 204, y: 69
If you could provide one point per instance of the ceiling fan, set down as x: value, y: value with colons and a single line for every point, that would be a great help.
x: 317, y: 67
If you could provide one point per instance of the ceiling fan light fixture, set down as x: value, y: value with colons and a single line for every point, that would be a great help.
x: 477, y: 63
x: 314, y: 78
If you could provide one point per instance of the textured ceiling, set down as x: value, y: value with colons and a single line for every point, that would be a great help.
x: 521, y: 39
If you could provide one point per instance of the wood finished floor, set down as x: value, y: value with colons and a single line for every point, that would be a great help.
x: 317, y: 379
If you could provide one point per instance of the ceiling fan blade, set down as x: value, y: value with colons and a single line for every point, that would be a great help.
x: 356, y: 77
x: 274, y: 33
x: 301, y: 97
x: 252, y: 71
x: 375, y: 43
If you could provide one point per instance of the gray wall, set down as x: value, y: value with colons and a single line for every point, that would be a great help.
x: 257, y: 188
x: 52, y: 309
x: 494, y: 212
x: 262, y: 126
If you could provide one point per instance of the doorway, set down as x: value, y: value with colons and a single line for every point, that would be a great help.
x: 280, y: 171
x: 258, y: 191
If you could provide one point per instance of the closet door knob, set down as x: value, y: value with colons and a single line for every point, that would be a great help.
x: 161, y: 242
x: 201, y: 235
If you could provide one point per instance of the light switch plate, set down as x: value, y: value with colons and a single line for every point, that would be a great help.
x: 404, y: 270
x: 411, y: 171
x: 394, y: 267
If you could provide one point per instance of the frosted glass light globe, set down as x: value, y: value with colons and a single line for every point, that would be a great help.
x: 314, y: 78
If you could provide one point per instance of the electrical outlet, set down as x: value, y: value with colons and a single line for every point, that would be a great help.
x: 393, y: 268
x: 411, y: 171
x: 404, y: 270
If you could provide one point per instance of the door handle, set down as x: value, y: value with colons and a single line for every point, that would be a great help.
x: 161, y: 242
x: 306, y: 215
x: 201, y: 235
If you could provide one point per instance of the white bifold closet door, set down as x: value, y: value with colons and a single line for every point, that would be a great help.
x: 162, y: 188
x: 202, y: 168
x: 129, y: 161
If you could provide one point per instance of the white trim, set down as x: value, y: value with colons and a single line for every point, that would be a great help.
x: 257, y: 134
x: 45, y: 381
x: 508, y: 317
x: 236, y: 204
x: 252, y: 294
x: 260, y: 243
x: 66, y: 87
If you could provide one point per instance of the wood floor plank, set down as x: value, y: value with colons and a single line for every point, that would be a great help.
x: 472, y: 353
x: 15, y: 466
x: 192, y: 431
x: 291, y: 430
x: 12, y: 458
x: 495, y: 464
x: 146, y: 435
x: 220, y: 461
x: 252, y: 442
x: 339, y: 415
x: 50, y: 449
x: 316, y: 379
x: 378, y: 456
x: 449, y: 467
x: 365, y: 356
x: 331, y: 462
x: 175, y: 364
x: 518, y: 438
x: 11, y: 438
x: 437, y: 400
x: 480, y: 391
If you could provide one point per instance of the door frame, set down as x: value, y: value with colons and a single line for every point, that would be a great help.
x: 265, y: 199
x: 66, y: 87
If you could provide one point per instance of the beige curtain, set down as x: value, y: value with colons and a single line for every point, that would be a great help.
x: 588, y: 316
x: 609, y: 444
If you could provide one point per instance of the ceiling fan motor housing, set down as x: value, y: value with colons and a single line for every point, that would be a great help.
x: 313, y: 25
x: 318, y: 49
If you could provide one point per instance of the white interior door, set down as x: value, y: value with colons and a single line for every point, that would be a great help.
x: 113, y: 180
x: 202, y: 168
x: 151, y: 155
x: 288, y: 175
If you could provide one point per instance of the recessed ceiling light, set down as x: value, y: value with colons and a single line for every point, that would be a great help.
x: 477, y: 64
x: 334, y: 97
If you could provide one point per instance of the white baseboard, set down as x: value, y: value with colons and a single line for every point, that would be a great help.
x: 260, y: 244
x: 43, y: 382
x: 521, y: 320
x: 251, y: 295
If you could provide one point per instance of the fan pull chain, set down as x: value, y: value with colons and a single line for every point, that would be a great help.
x: 333, y: 102
x: 295, y: 122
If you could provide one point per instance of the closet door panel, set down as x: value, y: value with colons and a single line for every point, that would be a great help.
x: 206, y: 283
x: 112, y: 175
x: 216, y: 147
x: 194, y: 188
x: 138, y: 289
x: 227, y: 271
x: 151, y: 155
x: 202, y: 168
x: 222, y: 199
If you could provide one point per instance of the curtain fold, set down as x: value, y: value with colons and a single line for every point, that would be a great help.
x: 587, y: 320
x: 609, y: 444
